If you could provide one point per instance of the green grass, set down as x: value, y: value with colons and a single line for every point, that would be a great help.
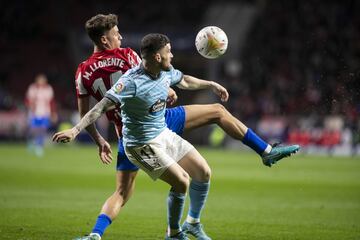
x: 59, y: 196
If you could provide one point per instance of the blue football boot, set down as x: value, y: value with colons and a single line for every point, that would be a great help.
x: 195, y: 229
x: 279, y: 152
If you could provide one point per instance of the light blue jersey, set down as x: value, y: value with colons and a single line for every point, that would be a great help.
x: 143, y: 102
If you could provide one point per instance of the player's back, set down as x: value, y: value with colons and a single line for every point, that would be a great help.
x: 100, y: 71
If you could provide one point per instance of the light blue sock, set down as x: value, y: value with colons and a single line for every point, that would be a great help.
x: 252, y: 140
x: 39, y: 140
x: 176, y: 202
x: 198, y: 192
x: 102, y: 222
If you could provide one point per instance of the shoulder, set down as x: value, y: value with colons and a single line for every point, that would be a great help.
x: 32, y: 86
x: 172, y: 71
x: 83, y: 65
x: 126, y: 52
x: 80, y: 66
x: 134, y: 72
x: 120, y: 51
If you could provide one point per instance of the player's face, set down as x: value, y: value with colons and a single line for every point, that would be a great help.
x: 166, y: 57
x: 112, y: 38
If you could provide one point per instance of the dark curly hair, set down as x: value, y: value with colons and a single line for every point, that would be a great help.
x: 152, y: 43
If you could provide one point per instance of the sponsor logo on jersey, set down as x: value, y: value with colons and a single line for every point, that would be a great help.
x: 119, y: 87
x: 158, y: 106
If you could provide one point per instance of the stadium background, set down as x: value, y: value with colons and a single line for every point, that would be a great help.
x: 292, y: 67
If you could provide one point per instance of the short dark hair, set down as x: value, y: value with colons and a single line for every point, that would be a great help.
x: 99, y: 24
x: 152, y: 43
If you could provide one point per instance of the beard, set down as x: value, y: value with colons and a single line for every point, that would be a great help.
x: 165, y: 67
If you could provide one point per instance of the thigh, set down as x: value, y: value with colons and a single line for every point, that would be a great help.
x: 174, y: 175
x: 200, y: 115
x: 195, y: 165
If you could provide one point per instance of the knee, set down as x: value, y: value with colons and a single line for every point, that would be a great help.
x: 219, y: 109
x: 182, y: 183
x: 202, y: 174
x: 206, y: 174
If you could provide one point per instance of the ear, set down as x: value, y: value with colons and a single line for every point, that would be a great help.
x: 103, y: 40
x: 158, y: 57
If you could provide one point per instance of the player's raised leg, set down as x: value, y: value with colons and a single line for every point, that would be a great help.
x: 200, y: 115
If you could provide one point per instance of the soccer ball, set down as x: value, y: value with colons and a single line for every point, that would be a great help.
x: 211, y: 42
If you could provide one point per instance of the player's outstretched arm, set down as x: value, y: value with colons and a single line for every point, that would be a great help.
x: 193, y: 83
x: 89, y: 118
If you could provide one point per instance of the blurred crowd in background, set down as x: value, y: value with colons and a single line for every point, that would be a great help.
x: 296, y: 78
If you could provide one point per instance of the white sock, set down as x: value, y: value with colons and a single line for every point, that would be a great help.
x: 268, y: 149
x: 95, y: 234
x: 172, y: 232
x: 190, y: 219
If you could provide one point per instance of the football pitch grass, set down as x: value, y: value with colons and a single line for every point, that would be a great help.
x: 59, y: 196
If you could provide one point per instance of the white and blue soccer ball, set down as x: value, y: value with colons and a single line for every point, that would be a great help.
x: 211, y: 42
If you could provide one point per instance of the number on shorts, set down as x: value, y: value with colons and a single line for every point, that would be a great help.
x: 145, y: 155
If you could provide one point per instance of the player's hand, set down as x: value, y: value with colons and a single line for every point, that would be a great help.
x: 220, y: 91
x: 65, y: 136
x: 105, y: 152
x: 172, y: 96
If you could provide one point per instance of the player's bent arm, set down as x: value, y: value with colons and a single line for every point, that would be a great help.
x: 94, y: 114
x: 192, y: 83
x: 83, y: 107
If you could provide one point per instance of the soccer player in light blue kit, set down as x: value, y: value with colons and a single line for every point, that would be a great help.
x: 149, y: 144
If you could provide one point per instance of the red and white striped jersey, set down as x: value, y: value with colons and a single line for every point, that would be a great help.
x: 100, y: 71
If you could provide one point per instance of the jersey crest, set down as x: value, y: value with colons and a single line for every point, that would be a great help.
x: 158, y: 106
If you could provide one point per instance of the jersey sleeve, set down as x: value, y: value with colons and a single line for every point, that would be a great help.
x: 175, y: 75
x: 80, y: 88
x: 123, y: 88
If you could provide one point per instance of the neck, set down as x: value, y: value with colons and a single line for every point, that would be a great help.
x: 151, y: 69
x: 98, y: 49
x: 101, y: 48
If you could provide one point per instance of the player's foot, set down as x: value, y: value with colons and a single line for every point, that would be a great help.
x: 39, y: 151
x: 279, y: 152
x: 195, y: 229
x: 92, y: 236
x: 179, y: 236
